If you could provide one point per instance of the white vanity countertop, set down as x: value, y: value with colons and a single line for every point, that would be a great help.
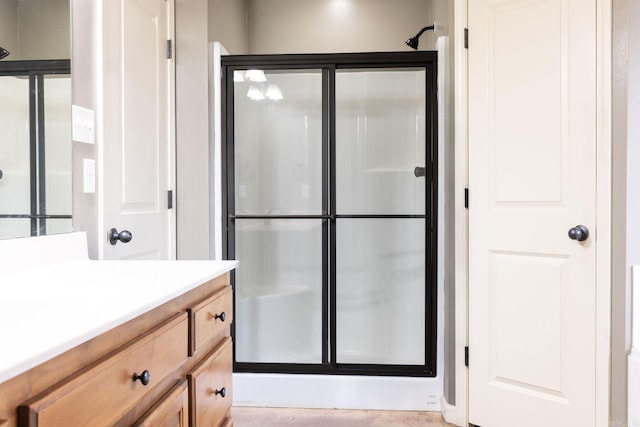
x: 45, y: 311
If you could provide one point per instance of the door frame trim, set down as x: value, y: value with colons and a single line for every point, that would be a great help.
x: 459, y: 413
x: 604, y: 105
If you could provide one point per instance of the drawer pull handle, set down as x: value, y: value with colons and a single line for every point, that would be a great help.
x: 144, y: 377
x: 222, y: 316
x: 222, y: 392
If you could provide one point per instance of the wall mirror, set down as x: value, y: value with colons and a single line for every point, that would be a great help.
x: 35, y: 118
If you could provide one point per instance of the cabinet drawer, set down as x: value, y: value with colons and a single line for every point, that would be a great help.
x: 171, y: 411
x: 209, y: 318
x: 101, y: 394
x: 210, y: 387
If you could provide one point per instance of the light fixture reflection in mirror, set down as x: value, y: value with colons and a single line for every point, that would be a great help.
x: 255, y: 76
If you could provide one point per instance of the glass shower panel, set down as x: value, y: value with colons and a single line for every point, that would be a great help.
x: 278, y: 142
x: 15, y: 184
x: 380, y: 141
x: 380, y: 292
x: 278, y: 291
x: 380, y: 216
x: 57, y: 113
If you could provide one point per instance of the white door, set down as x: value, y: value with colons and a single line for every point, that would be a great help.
x: 532, y: 152
x: 139, y: 135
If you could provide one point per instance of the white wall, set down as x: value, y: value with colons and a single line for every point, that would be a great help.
x: 35, y: 29
x: 44, y: 29
x: 627, y: 187
x: 626, y: 197
x: 333, y: 26
x: 228, y: 25
x: 192, y: 129
x: 86, y: 80
x: 9, y: 25
x: 441, y: 12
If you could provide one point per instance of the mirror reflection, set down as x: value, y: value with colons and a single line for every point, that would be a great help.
x: 35, y: 118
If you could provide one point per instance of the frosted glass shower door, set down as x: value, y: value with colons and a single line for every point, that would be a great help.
x: 330, y: 208
x: 14, y: 157
x: 278, y: 216
x: 381, y: 207
x: 35, y: 151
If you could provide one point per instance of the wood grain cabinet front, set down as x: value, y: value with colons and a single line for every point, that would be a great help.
x: 104, y: 392
x: 171, y: 411
x: 167, y: 367
x: 209, y: 318
x: 210, y: 388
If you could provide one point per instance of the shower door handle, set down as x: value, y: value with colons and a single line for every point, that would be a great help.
x: 419, y: 171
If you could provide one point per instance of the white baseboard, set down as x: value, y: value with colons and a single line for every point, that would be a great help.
x: 633, y: 369
x: 451, y: 414
x: 337, y: 391
x: 634, y: 388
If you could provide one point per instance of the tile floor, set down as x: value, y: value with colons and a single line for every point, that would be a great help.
x: 284, y: 417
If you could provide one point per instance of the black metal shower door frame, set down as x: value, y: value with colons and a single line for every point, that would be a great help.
x: 329, y: 64
x: 35, y: 71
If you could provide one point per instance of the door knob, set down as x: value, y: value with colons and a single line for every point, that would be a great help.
x: 579, y: 233
x: 124, y: 236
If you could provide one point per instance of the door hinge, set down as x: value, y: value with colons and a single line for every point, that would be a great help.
x: 466, y: 198
x: 169, y: 49
x: 466, y: 38
x: 466, y: 356
x: 170, y: 199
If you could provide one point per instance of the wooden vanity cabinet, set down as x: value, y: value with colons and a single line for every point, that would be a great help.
x: 171, y: 411
x: 111, y: 387
x: 210, y: 385
x: 185, y: 347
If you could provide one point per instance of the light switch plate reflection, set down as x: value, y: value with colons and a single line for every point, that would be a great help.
x: 82, y: 125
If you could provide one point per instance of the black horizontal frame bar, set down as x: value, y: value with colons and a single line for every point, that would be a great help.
x: 337, y: 369
x: 381, y: 216
x: 41, y: 66
x: 356, y: 216
x: 341, y: 60
x: 27, y: 216
x: 234, y: 217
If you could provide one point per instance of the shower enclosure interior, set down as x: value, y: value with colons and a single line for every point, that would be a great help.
x: 330, y: 208
x: 35, y: 148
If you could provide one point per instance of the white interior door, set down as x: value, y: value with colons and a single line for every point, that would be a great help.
x: 532, y: 152
x: 139, y: 136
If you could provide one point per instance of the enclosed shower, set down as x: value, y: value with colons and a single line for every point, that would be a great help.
x: 330, y: 173
x: 35, y: 148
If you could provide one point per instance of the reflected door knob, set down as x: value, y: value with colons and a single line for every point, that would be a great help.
x: 579, y: 233
x: 124, y: 236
